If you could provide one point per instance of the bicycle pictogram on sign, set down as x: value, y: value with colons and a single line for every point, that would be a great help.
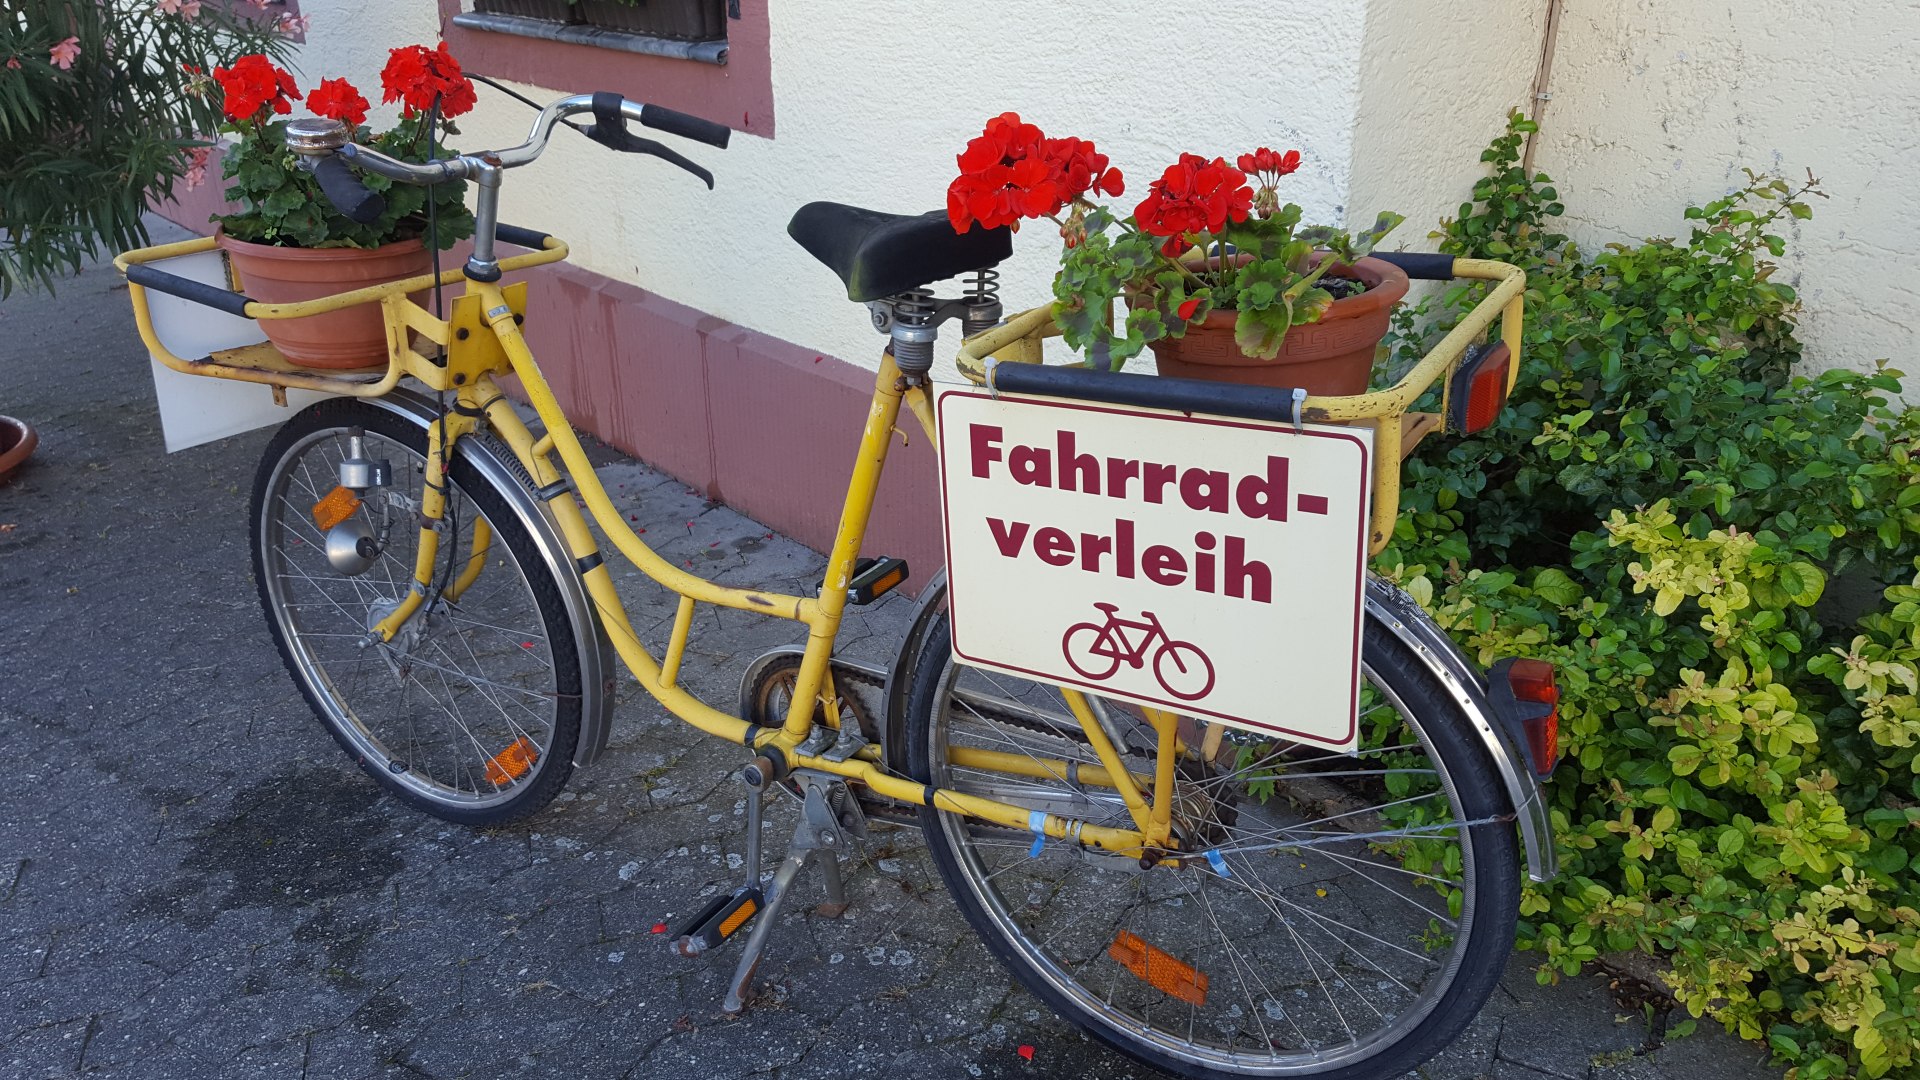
x: 1096, y: 650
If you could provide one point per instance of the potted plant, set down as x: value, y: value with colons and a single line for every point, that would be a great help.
x: 289, y: 244
x: 1288, y: 306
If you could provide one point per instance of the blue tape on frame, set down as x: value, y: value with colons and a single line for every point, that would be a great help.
x: 1037, y: 823
x: 1218, y: 862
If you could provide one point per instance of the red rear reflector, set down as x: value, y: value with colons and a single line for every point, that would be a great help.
x: 1477, y: 390
x: 1533, y: 681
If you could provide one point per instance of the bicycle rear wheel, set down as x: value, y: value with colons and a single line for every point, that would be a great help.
x: 472, y: 712
x: 1359, y: 927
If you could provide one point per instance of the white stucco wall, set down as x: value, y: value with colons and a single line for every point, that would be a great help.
x: 1655, y: 105
x: 871, y: 106
x: 1437, y: 80
x: 1658, y: 105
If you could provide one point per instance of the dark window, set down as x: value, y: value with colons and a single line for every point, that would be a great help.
x: 710, y: 58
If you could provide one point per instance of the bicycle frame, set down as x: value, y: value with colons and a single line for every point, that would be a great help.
x: 482, y: 339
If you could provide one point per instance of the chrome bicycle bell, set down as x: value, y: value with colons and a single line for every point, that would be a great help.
x: 315, y: 136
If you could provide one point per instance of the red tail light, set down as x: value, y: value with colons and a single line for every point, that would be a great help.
x: 1477, y: 390
x: 1532, y: 681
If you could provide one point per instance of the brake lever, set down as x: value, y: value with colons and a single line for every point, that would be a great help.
x: 638, y: 145
x: 610, y: 130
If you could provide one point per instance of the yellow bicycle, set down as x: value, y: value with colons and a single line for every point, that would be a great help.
x: 1208, y: 901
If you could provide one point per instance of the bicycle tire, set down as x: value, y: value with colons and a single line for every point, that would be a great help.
x: 513, y: 616
x: 1063, y: 969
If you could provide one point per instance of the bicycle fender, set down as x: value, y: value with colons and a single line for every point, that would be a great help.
x: 932, y: 601
x: 497, y: 464
x: 1407, y: 621
x: 1394, y: 610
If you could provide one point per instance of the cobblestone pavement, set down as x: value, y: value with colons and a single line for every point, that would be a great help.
x: 194, y: 881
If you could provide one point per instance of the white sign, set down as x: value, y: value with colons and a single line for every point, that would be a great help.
x: 1207, y: 565
x: 197, y: 409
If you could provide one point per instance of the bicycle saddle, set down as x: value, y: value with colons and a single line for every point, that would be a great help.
x: 878, y: 255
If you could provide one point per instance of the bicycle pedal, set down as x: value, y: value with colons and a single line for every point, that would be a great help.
x: 874, y: 578
x: 712, y: 925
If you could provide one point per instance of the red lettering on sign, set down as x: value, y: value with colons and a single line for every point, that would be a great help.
x: 1083, y: 469
x: 1242, y: 572
x: 986, y: 446
x: 1032, y: 466
x: 1266, y: 496
x: 1255, y: 495
x: 1092, y: 546
x: 1203, y: 561
x: 1240, y: 577
x: 1204, y: 489
x: 1054, y: 547
x: 1009, y: 538
x: 1163, y: 565
x: 1156, y: 477
x: 1119, y: 471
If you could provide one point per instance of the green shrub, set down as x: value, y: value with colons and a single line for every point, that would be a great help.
x: 1659, y: 512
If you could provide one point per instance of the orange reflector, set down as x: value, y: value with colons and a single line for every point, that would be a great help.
x: 335, y: 507
x: 1159, y: 969
x: 740, y: 915
x: 512, y: 763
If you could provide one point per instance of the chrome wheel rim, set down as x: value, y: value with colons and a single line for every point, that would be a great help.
x: 1297, y: 984
x: 442, y: 709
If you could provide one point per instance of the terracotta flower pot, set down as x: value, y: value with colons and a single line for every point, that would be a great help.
x: 354, y: 337
x: 17, y: 440
x: 1332, y: 357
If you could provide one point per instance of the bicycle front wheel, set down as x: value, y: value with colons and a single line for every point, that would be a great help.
x: 472, y: 712
x: 1360, y: 910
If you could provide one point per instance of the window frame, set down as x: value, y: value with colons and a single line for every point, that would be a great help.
x: 738, y: 93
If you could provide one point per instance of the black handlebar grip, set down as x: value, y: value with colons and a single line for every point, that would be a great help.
x: 532, y: 239
x: 1420, y: 264
x: 1149, y: 391
x: 688, y: 127
x: 147, y: 277
x: 348, y: 194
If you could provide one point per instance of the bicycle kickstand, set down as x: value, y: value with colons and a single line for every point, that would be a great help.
x: 817, y: 836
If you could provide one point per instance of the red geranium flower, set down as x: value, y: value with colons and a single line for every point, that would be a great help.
x: 1079, y: 168
x: 338, y: 99
x: 1004, y: 176
x: 1194, y: 195
x: 1269, y: 165
x: 1013, y: 171
x: 1187, y: 307
x: 416, y: 74
x: 254, y: 84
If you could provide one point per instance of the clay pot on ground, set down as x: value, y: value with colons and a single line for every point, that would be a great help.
x: 1329, y: 358
x: 354, y: 337
x: 17, y: 440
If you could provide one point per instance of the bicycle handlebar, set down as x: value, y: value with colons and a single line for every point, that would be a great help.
x: 323, y: 144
